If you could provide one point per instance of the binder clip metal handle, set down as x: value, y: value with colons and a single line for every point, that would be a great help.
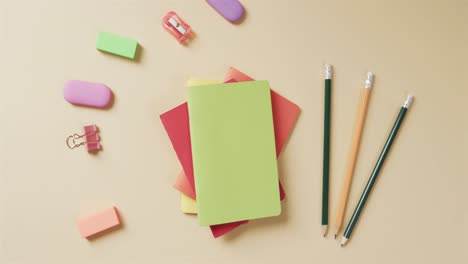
x: 90, y: 138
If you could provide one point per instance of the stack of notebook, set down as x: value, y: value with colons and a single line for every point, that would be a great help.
x: 228, y: 137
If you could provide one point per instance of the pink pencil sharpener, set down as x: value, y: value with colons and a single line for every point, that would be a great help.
x: 176, y: 26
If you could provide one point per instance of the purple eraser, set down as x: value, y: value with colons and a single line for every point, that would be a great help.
x: 232, y: 10
x: 87, y: 94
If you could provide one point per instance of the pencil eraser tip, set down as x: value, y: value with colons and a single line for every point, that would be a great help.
x: 328, y: 71
x: 370, y: 80
x: 408, y: 101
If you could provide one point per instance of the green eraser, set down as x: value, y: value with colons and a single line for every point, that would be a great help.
x: 116, y: 45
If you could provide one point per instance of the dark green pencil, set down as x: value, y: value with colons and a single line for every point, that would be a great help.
x: 326, y: 148
x: 375, y: 172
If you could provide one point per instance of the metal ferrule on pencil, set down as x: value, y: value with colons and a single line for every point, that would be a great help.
x: 370, y: 80
x: 408, y: 101
x: 328, y: 72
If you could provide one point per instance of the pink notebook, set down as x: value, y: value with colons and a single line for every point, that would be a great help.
x: 176, y: 124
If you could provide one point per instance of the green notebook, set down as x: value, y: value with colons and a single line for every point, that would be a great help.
x: 233, y: 150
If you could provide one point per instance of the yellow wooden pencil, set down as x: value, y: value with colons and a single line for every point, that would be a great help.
x: 365, y: 94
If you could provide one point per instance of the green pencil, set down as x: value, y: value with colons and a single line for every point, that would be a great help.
x: 375, y: 172
x: 326, y: 148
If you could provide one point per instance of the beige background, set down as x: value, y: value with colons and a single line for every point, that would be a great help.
x: 417, y: 214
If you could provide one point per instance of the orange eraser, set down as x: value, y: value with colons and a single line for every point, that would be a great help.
x: 98, y: 222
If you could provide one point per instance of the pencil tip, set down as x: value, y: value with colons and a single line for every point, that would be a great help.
x: 324, y: 230
x: 336, y: 236
x: 342, y: 245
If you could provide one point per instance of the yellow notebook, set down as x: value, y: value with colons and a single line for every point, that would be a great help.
x: 187, y: 204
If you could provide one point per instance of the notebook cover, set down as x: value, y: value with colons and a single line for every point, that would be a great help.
x: 233, y: 149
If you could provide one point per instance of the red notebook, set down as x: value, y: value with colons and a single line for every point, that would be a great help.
x: 177, y: 127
